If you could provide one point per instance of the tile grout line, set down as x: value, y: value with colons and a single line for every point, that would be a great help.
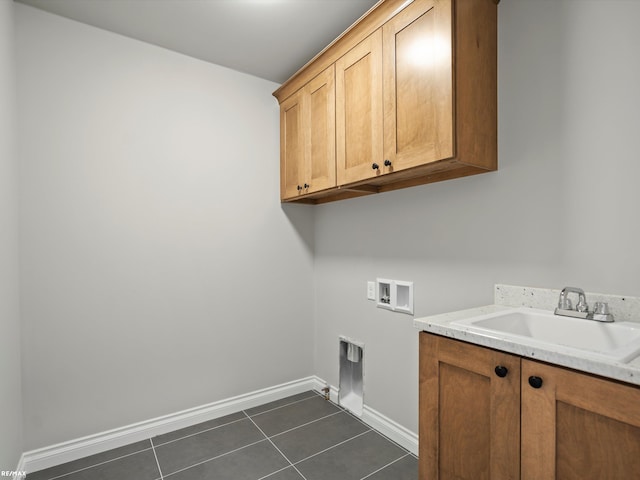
x: 395, y: 443
x: 199, y: 432
x: 387, y: 465
x: 156, y: 457
x: 276, y: 472
x: 249, y: 417
x: 332, y: 447
x: 276, y: 408
x: 152, y: 447
x: 313, y: 395
x: 214, y: 458
x: 355, y: 417
x: 274, y: 446
x: 291, y: 464
x: 97, y: 464
x: 231, y: 422
x: 352, y: 415
x: 305, y: 424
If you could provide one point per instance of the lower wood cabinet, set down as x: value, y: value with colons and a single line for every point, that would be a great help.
x: 486, y: 414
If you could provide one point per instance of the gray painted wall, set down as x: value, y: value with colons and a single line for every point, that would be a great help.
x: 561, y: 210
x: 10, y: 389
x: 159, y: 271
x: 148, y: 191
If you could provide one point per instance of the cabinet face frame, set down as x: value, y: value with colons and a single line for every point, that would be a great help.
x: 439, y: 357
x: 418, y: 84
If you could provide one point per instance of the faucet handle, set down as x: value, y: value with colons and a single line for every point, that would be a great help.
x: 582, y: 305
x: 565, y: 303
x: 601, y: 308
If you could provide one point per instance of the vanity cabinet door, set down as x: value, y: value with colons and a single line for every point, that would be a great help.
x: 578, y: 427
x: 469, y: 411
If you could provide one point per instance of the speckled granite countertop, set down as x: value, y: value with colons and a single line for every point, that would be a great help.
x: 509, y: 298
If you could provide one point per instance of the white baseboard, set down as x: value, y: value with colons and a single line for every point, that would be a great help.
x: 396, y: 432
x: 376, y: 420
x: 20, y: 471
x: 46, y: 457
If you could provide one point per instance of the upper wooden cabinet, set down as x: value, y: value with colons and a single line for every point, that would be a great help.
x: 307, y: 138
x: 415, y: 101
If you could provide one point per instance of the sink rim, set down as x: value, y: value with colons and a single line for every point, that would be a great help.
x: 622, y: 354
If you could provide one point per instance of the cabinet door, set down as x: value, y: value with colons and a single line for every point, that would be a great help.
x: 578, y: 427
x: 418, y: 85
x: 292, y: 146
x: 321, y: 130
x: 469, y: 416
x: 359, y: 134
x: 308, y: 138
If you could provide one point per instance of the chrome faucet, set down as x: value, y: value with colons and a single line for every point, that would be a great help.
x: 599, y: 313
x: 565, y: 304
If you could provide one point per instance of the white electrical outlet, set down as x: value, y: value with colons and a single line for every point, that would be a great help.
x: 371, y: 290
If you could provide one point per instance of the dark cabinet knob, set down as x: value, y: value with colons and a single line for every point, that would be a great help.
x: 387, y: 163
x: 501, y: 371
x: 306, y: 185
x: 299, y: 188
x: 535, y: 382
x: 375, y: 166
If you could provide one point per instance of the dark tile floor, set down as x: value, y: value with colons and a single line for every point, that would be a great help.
x: 299, y: 437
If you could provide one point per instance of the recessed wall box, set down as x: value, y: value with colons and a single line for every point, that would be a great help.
x: 404, y: 297
x: 351, y: 384
x: 395, y: 295
x: 384, y: 293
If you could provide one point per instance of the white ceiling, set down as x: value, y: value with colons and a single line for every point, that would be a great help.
x: 270, y: 39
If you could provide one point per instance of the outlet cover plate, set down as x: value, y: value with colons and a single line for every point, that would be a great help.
x: 371, y: 290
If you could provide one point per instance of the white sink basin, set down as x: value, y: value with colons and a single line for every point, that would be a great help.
x: 617, y: 341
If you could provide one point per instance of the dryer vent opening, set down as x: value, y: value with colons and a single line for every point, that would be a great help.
x: 351, y: 391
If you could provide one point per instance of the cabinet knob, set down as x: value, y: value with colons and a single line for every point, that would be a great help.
x: 306, y: 185
x: 299, y: 188
x: 387, y: 163
x: 375, y: 166
x: 535, y: 382
x: 501, y: 371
